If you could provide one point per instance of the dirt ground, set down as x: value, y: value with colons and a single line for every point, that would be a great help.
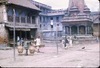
x: 83, y: 55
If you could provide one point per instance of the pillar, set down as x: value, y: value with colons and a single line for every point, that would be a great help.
x: 38, y: 26
x: 31, y: 19
x: 67, y: 29
x: 4, y: 14
x: 86, y: 30
x: 70, y: 30
x: 64, y: 30
x: 20, y: 19
x: 78, y: 30
x: 25, y: 19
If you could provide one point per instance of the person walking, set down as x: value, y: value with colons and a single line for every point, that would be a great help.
x: 70, y: 41
x: 18, y: 41
x: 66, y: 43
x: 62, y: 43
x: 38, y: 43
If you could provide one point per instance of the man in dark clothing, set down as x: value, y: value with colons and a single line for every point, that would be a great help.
x: 66, y: 42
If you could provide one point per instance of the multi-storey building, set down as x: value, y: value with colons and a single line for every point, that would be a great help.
x: 50, y: 20
x: 21, y: 15
x: 95, y: 16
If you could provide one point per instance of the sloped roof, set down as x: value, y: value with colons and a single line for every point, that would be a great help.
x: 24, y: 3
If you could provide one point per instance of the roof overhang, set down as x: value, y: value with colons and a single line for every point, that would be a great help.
x: 23, y: 3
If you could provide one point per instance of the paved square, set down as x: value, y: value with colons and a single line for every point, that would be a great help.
x: 72, y: 57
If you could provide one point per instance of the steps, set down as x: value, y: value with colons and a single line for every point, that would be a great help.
x: 84, y: 39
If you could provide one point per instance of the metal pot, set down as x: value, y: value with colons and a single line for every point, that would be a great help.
x: 32, y: 49
x: 20, y: 49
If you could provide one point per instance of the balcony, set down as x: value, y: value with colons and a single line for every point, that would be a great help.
x: 22, y: 25
x: 20, y: 19
x: 21, y: 22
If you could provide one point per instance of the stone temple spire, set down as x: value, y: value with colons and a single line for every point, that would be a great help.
x: 79, y: 4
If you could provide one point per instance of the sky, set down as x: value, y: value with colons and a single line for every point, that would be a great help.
x: 63, y: 4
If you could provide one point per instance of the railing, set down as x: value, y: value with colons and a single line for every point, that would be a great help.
x: 20, y: 19
x: 22, y: 25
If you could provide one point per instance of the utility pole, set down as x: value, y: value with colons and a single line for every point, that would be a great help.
x: 14, y: 32
x: 99, y: 21
x: 57, y: 29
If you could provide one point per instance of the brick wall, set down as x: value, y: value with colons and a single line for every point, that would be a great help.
x: 3, y: 34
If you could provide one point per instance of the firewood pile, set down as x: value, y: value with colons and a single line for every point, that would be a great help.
x: 3, y: 1
x: 2, y: 40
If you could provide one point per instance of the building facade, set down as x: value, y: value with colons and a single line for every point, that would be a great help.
x: 77, y: 19
x: 50, y: 20
x: 21, y: 15
x: 95, y: 16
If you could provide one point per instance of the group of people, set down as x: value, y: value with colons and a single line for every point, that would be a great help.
x: 67, y: 42
x: 35, y: 42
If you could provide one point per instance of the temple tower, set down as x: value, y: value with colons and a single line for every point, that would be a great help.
x: 77, y: 21
x: 77, y: 6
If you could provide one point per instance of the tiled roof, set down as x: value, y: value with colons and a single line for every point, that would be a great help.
x: 80, y: 17
x: 24, y: 3
x: 40, y: 4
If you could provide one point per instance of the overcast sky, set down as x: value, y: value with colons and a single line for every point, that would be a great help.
x: 63, y: 4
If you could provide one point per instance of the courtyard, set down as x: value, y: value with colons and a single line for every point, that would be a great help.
x: 74, y: 56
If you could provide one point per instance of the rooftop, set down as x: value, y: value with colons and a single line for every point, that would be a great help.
x: 76, y: 18
x: 23, y: 3
x: 40, y: 4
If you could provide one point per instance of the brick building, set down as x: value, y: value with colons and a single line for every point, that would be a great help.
x: 25, y: 16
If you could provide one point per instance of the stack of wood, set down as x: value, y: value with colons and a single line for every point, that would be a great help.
x: 3, y: 1
x: 2, y: 40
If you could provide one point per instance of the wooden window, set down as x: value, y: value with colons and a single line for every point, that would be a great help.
x: 28, y: 20
x: 23, y: 19
x: 57, y: 19
x: 10, y: 15
x: 10, y: 18
x: 33, y: 19
x: 17, y: 19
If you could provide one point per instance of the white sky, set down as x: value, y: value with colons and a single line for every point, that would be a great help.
x: 63, y: 4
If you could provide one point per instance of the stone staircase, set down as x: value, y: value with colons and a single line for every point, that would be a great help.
x: 77, y: 39
x: 84, y: 39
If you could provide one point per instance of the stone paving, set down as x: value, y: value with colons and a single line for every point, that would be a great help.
x: 73, y: 56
